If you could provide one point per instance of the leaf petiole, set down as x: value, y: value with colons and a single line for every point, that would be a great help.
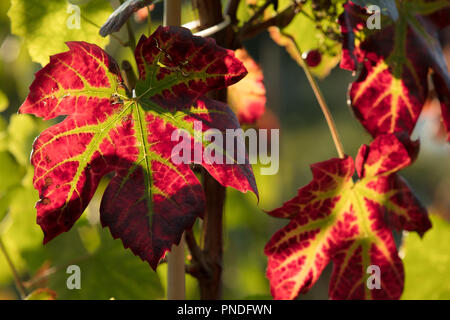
x: 320, y: 99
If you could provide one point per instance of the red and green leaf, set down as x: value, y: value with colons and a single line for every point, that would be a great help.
x: 150, y: 200
x: 248, y: 97
x: 392, y: 86
x: 334, y: 219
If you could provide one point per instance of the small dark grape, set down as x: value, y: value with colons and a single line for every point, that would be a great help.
x: 312, y: 57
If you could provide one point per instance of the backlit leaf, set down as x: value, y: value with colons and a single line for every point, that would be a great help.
x: 427, y: 262
x: 46, y: 25
x: 108, y: 272
x: 151, y: 200
x: 392, y: 87
x: 10, y: 172
x: 18, y: 229
x: 22, y: 130
x: 334, y: 219
x: 3, y: 102
x: 246, y: 9
x: 248, y: 97
x: 311, y: 34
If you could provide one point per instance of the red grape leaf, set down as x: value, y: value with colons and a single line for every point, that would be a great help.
x: 349, y: 223
x: 248, y: 97
x: 151, y: 200
x: 392, y: 87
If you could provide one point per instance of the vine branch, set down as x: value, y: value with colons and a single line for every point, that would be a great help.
x: 206, y: 263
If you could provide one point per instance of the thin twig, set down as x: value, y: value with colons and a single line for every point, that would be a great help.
x: 43, y: 276
x: 323, y: 105
x: 19, y: 284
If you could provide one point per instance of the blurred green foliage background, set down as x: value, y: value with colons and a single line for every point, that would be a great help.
x: 109, y: 271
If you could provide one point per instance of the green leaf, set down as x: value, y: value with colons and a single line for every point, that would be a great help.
x: 3, y: 134
x: 4, y: 205
x: 315, y: 27
x: 10, y: 172
x: 427, y: 262
x: 78, y: 2
x: 47, y: 25
x: 90, y: 238
x: 18, y: 230
x: 4, y: 103
x: 312, y: 34
x: 246, y: 9
x: 22, y: 131
x: 3, y: 124
x: 108, y: 272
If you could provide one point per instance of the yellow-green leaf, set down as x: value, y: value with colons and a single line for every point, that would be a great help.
x: 3, y: 102
x: 47, y: 25
x: 427, y: 262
